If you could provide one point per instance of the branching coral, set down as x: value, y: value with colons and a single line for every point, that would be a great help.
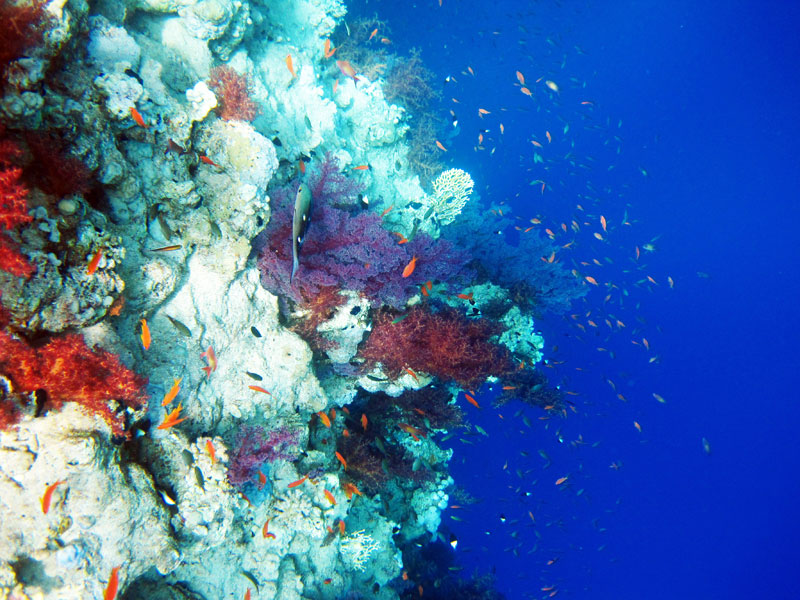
x: 531, y: 387
x: 444, y: 344
x: 65, y: 369
x: 451, y: 191
x: 348, y: 249
x: 233, y: 94
x: 410, y: 84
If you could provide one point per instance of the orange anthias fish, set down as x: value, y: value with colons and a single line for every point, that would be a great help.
x: 258, y: 388
x: 347, y: 69
x: 324, y: 418
x: 387, y: 211
x: 341, y: 527
x: 561, y: 480
x: 362, y: 168
x: 265, y: 532
x: 520, y: 78
x: 603, y: 223
x: 113, y: 585
x: 410, y: 267
x: 212, y: 361
x: 138, y: 119
x: 471, y: 400
x: 48, y: 495
x: 294, y: 484
x: 172, y: 418
x: 410, y: 372
x: 440, y: 146
x: 330, y: 497
x: 364, y: 421
x: 465, y: 296
x: 412, y: 431
x: 373, y: 34
x: 591, y: 280
x: 145, y: 335
x: 328, y: 50
x: 290, y: 66
x: 205, y: 160
x: 211, y: 452
x: 341, y: 459
x: 350, y: 489
x: 247, y: 595
x: 92, y: 266
x: 172, y: 393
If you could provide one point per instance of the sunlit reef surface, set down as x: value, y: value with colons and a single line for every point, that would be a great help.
x: 183, y: 418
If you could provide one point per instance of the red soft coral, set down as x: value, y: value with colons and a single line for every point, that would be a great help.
x: 67, y: 370
x: 445, y: 344
x: 22, y: 27
x: 13, y: 209
x: 233, y: 93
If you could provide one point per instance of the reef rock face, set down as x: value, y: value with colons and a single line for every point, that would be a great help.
x: 104, y: 513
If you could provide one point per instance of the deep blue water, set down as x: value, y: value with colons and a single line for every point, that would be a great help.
x: 703, y: 97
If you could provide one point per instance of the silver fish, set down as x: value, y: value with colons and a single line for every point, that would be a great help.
x: 302, y: 207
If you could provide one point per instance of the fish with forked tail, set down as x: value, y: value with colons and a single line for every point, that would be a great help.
x: 302, y: 207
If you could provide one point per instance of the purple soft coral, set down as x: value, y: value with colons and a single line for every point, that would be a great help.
x: 254, y: 448
x: 349, y: 250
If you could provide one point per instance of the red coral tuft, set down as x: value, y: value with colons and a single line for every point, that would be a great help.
x: 55, y: 171
x: 67, y: 370
x: 13, y: 209
x: 233, y: 93
x: 446, y: 345
x: 21, y: 27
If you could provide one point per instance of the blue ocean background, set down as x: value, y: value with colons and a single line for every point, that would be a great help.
x: 692, y: 134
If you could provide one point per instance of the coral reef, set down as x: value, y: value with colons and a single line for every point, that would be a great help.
x: 233, y: 93
x: 444, y: 344
x: 65, y: 369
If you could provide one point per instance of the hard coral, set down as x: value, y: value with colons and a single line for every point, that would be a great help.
x: 233, y: 93
x: 444, y: 344
x: 65, y: 369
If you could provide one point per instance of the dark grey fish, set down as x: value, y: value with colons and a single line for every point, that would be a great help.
x: 182, y: 329
x: 198, y: 475
x: 255, y: 376
x: 302, y: 208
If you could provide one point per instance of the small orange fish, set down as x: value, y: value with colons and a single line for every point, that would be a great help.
x: 328, y: 50
x: 341, y: 527
x: 638, y: 427
x: 92, y: 266
x: 591, y: 280
x: 262, y: 479
x: 387, y: 211
x: 172, y: 393
x: 463, y: 296
x: 332, y: 414
x: 166, y: 248
x: 414, y: 375
x: 424, y: 291
x: 205, y: 160
x: 364, y: 421
x: 483, y: 111
x: 561, y: 480
x: 172, y: 418
x: 440, y: 146
x: 386, y: 41
x: 373, y: 34
x: 113, y: 585
x: 137, y: 118
x: 603, y: 223
x: 412, y: 431
x: 346, y: 432
x: 549, y: 137
x: 116, y: 308
x: 350, y: 489
x: 266, y: 533
x: 211, y: 452
x: 330, y: 497
x: 301, y: 166
x: 347, y: 69
x: 48, y: 495
x: 258, y: 388
x: 294, y: 484
x: 145, y: 335
x: 341, y: 459
x: 520, y: 78
x: 362, y: 168
x: 212, y: 361
x: 324, y: 418
x: 471, y: 400
x: 290, y: 66
x: 335, y: 86
x: 409, y: 269
x: 247, y: 595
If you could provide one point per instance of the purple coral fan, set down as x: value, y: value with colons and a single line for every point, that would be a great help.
x: 254, y: 448
x: 348, y: 249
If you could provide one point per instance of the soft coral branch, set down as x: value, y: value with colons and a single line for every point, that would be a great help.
x: 13, y: 208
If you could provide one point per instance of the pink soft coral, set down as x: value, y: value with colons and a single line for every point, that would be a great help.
x: 233, y: 93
